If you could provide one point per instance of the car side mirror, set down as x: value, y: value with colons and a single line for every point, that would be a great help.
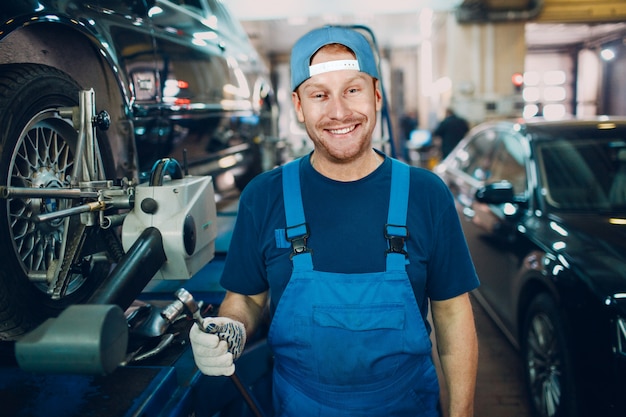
x: 496, y: 193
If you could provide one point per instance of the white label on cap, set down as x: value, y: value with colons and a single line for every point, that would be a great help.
x: 346, y: 64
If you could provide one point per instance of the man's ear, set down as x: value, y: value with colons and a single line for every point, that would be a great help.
x: 379, y: 95
x: 297, y: 105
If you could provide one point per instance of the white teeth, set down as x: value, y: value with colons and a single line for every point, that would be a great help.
x: 342, y: 131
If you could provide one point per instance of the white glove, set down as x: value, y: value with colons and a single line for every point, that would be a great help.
x: 215, y: 350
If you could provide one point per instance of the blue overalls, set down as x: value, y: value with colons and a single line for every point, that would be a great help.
x: 351, y: 344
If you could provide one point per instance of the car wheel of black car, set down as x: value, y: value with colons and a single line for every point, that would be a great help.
x: 38, y: 151
x: 548, y: 367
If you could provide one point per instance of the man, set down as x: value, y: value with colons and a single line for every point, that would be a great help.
x: 348, y: 246
x: 450, y: 130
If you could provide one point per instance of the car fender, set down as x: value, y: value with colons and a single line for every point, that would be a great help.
x: 533, y: 278
x: 82, y: 53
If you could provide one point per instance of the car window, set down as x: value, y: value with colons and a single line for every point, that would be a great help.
x: 476, y: 158
x: 508, y: 164
x: 583, y: 174
x: 192, y: 5
x: 617, y: 189
x: 184, y: 15
x: 227, y: 21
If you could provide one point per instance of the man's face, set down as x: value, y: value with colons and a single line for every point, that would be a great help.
x: 338, y: 108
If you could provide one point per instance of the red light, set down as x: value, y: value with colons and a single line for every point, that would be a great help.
x: 517, y: 79
x: 183, y: 84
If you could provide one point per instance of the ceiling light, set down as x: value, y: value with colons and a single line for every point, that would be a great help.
x: 607, y: 54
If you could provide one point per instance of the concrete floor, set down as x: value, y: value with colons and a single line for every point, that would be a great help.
x: 500, y: 390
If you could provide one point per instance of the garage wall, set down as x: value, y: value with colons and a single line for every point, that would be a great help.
x: 614, y: 85
x: 589, y: 76
x: 544, y: 87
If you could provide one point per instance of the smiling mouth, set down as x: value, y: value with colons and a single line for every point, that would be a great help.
x: 342, y: 131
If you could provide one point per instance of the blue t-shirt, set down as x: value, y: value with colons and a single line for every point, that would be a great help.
x: 346, y: 222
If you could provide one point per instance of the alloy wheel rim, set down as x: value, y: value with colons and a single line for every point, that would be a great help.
x: 544, y: 365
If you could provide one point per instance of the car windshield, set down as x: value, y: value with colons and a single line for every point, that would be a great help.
x: 584, y: 174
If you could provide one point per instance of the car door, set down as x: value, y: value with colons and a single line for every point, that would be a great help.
x: 490, y: 230
x: 191, y: 71
x: 212, y: 84
x: 125, y: 29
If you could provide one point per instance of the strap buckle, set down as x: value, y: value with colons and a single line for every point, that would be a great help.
x: 396, y: 240
x: 298, y: 242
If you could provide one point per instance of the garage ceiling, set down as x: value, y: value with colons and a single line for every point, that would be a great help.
x: 274, y: 29
x: 285, y: 9
x: 396, y: 22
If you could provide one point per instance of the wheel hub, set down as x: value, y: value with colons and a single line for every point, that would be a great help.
x: 47, y: 178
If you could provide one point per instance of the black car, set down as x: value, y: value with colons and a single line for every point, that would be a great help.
x: 176, y: 78
x: 543, y: 208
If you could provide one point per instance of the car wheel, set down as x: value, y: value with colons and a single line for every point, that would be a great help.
x: 38, y: 148
x: 549, y: 373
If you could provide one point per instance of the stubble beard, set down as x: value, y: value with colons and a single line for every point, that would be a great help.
x: 356, y: 147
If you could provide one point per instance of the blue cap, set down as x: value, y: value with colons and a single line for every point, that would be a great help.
x: 309, y: 44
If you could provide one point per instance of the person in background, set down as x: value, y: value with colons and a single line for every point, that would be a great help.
x: 408, y: 123
x: 348, y: 248
x: 450, y: 131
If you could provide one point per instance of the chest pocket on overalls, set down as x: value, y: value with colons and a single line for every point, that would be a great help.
x: 366, y: 340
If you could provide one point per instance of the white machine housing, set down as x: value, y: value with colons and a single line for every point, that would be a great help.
x: 184, y: 211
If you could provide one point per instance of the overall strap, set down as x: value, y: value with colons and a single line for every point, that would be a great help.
x: 297, y: 231
x: 396, y: 231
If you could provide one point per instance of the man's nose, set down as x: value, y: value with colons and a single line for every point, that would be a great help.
x: 338, y: 108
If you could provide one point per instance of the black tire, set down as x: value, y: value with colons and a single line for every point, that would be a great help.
x: 38, y: 150
x: 548, y: 366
